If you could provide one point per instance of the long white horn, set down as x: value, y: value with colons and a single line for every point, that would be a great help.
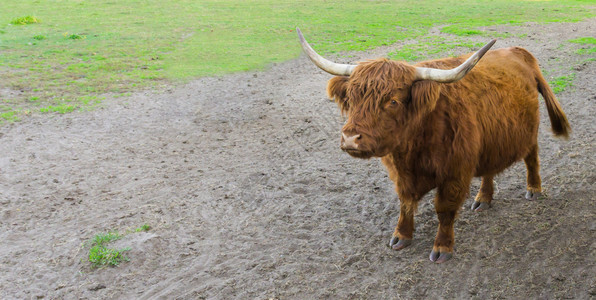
x: 321, y: 62
x: 452, y: 75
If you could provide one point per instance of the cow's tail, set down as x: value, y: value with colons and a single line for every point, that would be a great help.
x: 558, y: 120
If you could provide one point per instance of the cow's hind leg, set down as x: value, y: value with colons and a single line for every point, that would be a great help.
x: 533, y: 177
x: 449, y: 199
x: 485, y: 195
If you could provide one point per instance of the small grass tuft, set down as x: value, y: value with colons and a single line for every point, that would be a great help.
x: 559, y: 84
x: 75, y: 36
x: 25, y: 20
x: 145, y: 227
x: 101, y: 239
x: 100, y: 255
x: 39, y: 37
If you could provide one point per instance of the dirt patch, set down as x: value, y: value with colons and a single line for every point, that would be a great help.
x: 249, y: 196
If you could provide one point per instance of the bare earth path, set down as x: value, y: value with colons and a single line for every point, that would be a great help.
x: 249, y: 197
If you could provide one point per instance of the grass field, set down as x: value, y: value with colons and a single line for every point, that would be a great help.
x: 59, y: 56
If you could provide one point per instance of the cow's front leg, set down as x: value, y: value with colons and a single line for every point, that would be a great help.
x: 404, y: 231
x: 449, y: 199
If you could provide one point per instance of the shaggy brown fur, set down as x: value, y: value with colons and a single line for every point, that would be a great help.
x: 436, y: 135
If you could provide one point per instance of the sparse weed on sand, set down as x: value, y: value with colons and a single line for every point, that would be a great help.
x: 144, y: 227
x: 100, y: 255
x: 585, y: 41
x: 9, y: 116
x: 62, y: 109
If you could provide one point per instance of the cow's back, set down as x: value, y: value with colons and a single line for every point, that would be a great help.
x: 500, y: 97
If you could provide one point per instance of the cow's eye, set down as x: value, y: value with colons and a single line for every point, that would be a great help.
x: 393, y: 102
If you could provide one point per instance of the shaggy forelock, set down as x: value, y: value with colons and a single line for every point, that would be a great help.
x: 373, y: 81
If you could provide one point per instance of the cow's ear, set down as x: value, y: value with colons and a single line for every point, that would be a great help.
x: 337, y: 89
x: 425, y: 94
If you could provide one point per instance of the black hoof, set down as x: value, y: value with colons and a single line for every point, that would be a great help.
x: 397, y: 244
x: 532, y: 196
x: 480, y: 206
x: 440, y: 258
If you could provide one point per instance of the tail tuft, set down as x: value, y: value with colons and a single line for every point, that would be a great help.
x: 558, y: 119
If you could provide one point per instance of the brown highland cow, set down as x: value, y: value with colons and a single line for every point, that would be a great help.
x: 439, y: 123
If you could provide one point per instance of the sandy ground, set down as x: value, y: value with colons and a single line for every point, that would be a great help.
x: 249, y: 197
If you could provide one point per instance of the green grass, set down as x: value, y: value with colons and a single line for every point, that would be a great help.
x: 584, y: 41
x: 94, y: 47
x: 559, y: 84
x: 590, y: 50
x: 460, y: 31
x: 429, y: 47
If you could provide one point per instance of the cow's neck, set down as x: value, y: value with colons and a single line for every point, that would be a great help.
x: 423, y: 136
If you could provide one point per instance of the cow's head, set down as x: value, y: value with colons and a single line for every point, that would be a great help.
x: 380, y: 96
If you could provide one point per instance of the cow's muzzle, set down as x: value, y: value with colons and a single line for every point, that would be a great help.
x: 349, y: 142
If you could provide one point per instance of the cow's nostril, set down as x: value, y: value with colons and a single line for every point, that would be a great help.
x: 358, y: 137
